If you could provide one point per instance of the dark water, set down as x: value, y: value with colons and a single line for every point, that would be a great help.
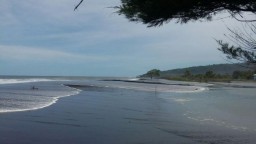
x: 118, y: 112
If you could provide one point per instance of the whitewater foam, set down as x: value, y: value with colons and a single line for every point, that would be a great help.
x: 16, y: 81
x: 181, y: 100
x: 27, y: 100
x: 163, y: 88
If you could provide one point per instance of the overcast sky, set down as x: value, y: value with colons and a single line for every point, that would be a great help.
x: 47, y: 37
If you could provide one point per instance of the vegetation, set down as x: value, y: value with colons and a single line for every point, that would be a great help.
x: 187, y: 74
x: 222, y: 69
x: 153, y: 73
x: 221, y: 73
x: 208, y: 76
x: 157, y: 12
x: 211, y: 76
x: 245, y: 42
x: 243, y: 75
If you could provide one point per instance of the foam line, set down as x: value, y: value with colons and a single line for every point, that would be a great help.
x: 16, y: 81
x: 53, y: 101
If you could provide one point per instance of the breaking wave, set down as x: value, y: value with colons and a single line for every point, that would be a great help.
x: 16, y: 94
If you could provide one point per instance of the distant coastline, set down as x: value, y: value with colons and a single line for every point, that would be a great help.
x: 209, y: 73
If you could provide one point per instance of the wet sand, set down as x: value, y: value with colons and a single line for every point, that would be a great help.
x: 114, y: 116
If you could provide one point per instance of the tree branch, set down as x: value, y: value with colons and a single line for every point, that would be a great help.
x: 78, y: 5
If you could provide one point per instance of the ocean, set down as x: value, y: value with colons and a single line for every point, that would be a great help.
x: 17, y: 93
x: 125, y: 110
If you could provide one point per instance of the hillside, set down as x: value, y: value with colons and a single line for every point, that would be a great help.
x: 216, y: 68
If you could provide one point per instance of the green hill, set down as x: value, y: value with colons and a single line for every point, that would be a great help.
x: 216, y: 68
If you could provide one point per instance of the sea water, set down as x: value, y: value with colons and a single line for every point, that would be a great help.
x: 130, y: 111
x: 22, y: 93
x: 223, y: 106
x: 31, y: 93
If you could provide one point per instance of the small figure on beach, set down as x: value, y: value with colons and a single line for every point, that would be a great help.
x: 34, y: 88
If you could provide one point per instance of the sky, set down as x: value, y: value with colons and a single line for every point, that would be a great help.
x: 49, y: 38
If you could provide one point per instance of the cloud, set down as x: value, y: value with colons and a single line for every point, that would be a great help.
x: 50, y: 33
x: 43, y: 54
